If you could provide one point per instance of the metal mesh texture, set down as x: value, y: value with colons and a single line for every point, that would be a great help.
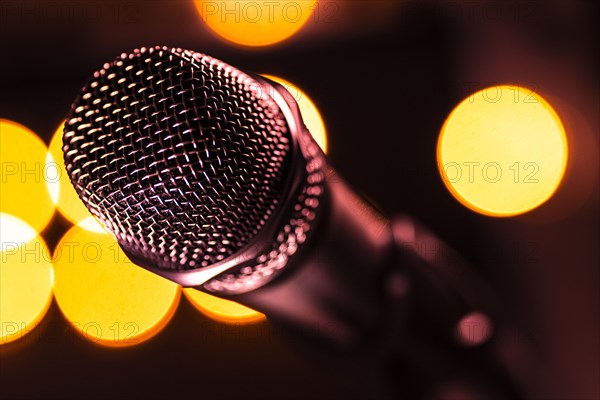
x: 298, y: 227
x: 180, y: 156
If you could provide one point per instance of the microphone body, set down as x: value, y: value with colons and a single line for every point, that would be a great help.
x: 208, y: 177
x: 334, y: 287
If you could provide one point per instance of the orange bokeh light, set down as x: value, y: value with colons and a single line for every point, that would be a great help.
x: 24, y: 175
x: 502, y: 151
x: 61, y: 190
x: 107, y: 298
x: 220, y: 309
x: 255, y: 23
x: 25, y: 278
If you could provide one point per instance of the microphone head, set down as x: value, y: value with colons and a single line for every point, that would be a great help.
x: 204, y: 174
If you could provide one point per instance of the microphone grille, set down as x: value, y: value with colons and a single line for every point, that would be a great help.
x: 181, y: 156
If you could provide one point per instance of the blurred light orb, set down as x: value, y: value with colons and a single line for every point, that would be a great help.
x: 107, y: 298
x: 220, y: 309
x: 23, y: 176
x: 255, y: 23
x: 474, y: 329
x: 61, y: 190
x: 502, y: 151
x: 310, y: 113
x: 25, y: 278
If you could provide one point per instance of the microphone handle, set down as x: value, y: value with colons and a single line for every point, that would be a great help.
x: 393, y: 291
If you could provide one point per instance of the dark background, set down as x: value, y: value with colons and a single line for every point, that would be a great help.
x: 384, y: 75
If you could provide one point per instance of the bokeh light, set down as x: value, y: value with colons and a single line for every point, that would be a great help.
x: 474, y: 329
x: 502, y: 151
x: 107, y: 298
x: 24, y: 174
x: 310, y: 113
x: 255, y: 23
x: 221, y: 309
x: 25, y: 278
x: 61, y: 190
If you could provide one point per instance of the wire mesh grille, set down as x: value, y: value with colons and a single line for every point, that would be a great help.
x: 181, y: 156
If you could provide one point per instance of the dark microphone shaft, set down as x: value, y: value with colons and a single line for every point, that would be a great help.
x: 207, y: 176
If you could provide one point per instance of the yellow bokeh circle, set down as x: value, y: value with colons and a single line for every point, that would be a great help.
x: 255, y: 23
x: 310, y: 113
x: 23, y: 176
x: 220, y: 309
x: 25, y: 278
x: 61, y: 190
x: 107, y: 298
x: 502, y: 151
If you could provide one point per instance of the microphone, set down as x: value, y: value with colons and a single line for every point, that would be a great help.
x: 207, y: 176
